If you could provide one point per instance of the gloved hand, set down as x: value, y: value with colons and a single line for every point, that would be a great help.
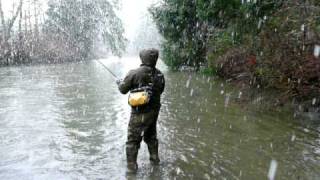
x: 118, y: 81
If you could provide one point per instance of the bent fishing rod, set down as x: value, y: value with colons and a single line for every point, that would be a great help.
x: 113, y: 75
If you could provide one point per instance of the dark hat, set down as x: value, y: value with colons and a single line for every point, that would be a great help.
x: 149, y: 57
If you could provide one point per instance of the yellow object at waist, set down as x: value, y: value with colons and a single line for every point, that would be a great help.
x: 138, y: 98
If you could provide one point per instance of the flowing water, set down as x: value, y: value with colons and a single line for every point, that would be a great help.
x: 68, y: 121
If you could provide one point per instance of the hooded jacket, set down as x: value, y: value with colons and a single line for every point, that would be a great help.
x: 145, y: 75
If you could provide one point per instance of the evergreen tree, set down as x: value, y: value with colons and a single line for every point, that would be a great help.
x: 78, y: 24
x: 188, y: 26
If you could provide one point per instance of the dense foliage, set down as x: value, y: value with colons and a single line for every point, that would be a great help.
x: 179, y: 24
x: 266, y: 43
x: 188, y: 26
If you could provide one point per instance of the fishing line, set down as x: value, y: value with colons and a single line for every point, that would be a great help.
x: 113, y: 75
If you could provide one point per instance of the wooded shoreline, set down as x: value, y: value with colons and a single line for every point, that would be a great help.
x: 62, y: 31
x: 263, y: 44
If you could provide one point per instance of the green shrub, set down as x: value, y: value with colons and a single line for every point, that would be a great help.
x: 210, y: 71
x: 220, y: 43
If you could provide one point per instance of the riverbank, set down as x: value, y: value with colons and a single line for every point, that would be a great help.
x: 252, y: 95
x: 270, y: 46
x: 46, y: 60
x: 297, y: 85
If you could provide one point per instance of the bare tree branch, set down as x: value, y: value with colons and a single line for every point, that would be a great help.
x: 2, y: 21
x: 11, y: 22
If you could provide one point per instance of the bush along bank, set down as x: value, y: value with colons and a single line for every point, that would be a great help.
x: 269, y: 45
x: 284, y: 57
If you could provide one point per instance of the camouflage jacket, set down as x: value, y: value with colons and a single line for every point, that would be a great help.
x: 143, y: 76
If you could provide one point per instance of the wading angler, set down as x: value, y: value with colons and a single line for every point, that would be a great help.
x: 145, y: 84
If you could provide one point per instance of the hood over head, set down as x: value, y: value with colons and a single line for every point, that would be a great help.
x: 149, y: 57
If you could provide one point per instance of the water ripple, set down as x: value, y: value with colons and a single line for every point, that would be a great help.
x: 69, y: 121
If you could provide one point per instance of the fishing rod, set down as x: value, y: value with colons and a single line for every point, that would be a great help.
x: 113, y: 75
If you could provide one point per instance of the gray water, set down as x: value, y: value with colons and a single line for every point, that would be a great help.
x: 68, y: 121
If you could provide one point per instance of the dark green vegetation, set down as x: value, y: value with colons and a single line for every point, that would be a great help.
x: 262, y: 43
x: 66, y: 31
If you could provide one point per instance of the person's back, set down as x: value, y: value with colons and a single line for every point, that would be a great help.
x: 143, y: 120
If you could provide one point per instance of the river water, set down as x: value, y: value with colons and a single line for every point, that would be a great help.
x: 68, y: 121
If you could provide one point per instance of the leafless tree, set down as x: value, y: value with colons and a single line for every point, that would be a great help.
x: 6, y: 31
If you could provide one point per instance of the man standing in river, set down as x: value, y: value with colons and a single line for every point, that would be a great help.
x: 143, y: 120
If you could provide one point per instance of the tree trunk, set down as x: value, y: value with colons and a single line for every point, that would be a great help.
x: 11, y: 22
x: 6, y: 28
x: 20, y: 46
x: 3, y: 33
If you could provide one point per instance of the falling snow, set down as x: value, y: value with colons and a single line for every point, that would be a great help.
x: 272, y: 170
x: 316, y: 52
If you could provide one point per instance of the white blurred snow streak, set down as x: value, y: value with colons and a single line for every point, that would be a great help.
x: 317, y: 51
x: 272, y: 170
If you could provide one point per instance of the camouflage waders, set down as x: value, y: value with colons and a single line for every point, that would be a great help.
x: 143, y: 120
x: 144, y: 126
